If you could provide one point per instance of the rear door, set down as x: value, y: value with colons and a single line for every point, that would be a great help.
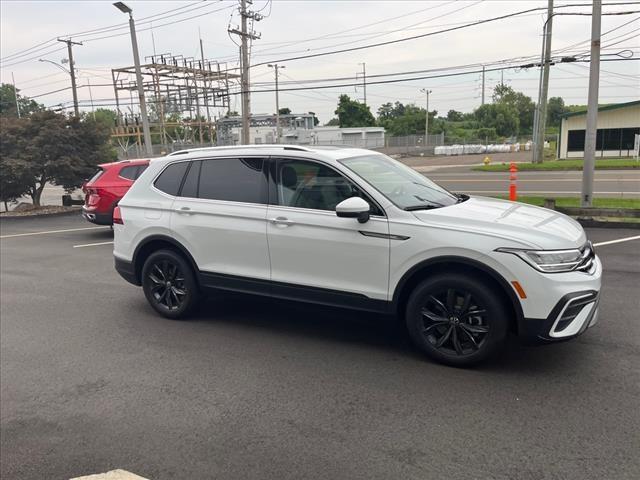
x: 311, y: 246
x: 220, y: 216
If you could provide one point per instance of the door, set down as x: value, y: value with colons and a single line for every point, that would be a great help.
x: 220, y: 216
x: 312, y: 247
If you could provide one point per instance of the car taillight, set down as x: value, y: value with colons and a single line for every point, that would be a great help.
x: 93, y: 199
x: 117, y: 216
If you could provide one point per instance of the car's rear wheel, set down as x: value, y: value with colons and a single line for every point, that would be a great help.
x: 169, y: 284
x: 456, y: 319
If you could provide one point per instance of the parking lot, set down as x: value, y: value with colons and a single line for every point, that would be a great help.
x: 93, y: 380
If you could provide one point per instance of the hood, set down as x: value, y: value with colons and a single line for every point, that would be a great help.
x: 533, y: 227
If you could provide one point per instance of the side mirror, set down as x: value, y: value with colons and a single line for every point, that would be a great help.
x: 354, y: 207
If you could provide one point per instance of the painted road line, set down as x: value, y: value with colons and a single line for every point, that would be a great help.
x: 93, y: 244
x: 619, y: 240
x: 51, y: 231
x: 527, y: 180
x: 112, y: 475
x: 553, y: 192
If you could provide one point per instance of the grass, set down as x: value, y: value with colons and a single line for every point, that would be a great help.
x: 601, y: 164
x: 575, y: 202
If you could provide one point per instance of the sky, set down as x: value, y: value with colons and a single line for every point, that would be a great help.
x: 292, y: 28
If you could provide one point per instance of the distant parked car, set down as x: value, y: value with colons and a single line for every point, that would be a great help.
x: 108, y: 185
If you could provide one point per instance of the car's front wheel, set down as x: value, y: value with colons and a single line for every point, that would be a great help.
x: 169, y: 284
x: 456, y: 319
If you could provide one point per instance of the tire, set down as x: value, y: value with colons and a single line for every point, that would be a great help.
x: 169, y: 283
x: 456, y: 319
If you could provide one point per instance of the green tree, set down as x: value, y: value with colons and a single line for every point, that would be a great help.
x: 316, y: 122
x: 334, y: 122
x: 455, y: 116
x: 520, y: 103
x: 555, y: 109
x: 352, y: 113
x: 47, y: 147
x: 499, y: 116
x: 8, y: 102
x: 284, y: 111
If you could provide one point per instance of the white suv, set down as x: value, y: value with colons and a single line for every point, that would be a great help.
x: 354, y: 228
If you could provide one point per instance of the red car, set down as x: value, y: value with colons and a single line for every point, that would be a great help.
x: 105, y: 189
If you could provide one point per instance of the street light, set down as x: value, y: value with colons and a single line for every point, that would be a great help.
x: 56, y: 64
x: 426, y: 119
x: 136, y: 59
x: 275, y: 66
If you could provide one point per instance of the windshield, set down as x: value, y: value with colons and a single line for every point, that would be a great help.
x: 405, y: 187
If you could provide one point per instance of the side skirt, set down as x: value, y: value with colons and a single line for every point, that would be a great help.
x: 287, y: 291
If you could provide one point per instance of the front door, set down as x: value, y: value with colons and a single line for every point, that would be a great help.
x: 310, y: 246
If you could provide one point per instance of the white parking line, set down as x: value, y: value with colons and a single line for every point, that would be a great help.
x: 111, y: 475
x: 93, y: 244
x: 619, y: 240
x: 50, y: 231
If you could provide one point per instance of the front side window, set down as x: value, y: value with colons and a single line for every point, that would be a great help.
x: 303, y: 184
x: 233, y: 179
x: 171, y: 177
x: 402, y: 185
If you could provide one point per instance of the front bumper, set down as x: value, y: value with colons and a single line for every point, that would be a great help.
x: 571, y: 316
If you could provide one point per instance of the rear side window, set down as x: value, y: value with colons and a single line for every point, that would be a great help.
x: 233, y: 179
x: 170, y: 179
x: 141, y: 168
x: 190, y: 187
x: 129, y: 172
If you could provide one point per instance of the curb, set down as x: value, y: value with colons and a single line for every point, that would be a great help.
x: 591, y: 223
x: 40, y: 215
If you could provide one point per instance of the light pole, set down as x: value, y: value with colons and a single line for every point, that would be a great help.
x: 73, y: 81
x: 136, y: 59
x: 275, y: 67
x: 426, y: 117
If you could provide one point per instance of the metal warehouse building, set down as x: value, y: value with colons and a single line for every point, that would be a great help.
x: 617, y: 127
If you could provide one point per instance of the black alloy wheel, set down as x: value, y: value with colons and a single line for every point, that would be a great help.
x: 457, y: 319
x: 454, y: 322
x: 169, y: 284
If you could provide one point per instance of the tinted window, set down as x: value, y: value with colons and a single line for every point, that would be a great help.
x: 233, y: 179
x: 304, y: 184
x: 141, y: 168
x: 575, y: 141
x: 96, y: 176
x: 129, y: 172
x: 170, y: 179
x: 190, y: 186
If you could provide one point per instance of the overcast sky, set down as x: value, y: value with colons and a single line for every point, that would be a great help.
x: 293, y: 28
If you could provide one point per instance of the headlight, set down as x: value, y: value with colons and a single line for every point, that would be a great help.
x: 548, y: 261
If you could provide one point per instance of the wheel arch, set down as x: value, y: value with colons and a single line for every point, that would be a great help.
x: 433, y: 266
x: 154, y: 243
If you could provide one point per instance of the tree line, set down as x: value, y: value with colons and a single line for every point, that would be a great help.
x: 43, y: 147
x: 510, y: 114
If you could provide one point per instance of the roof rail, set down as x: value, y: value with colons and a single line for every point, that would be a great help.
x: 299, y: 148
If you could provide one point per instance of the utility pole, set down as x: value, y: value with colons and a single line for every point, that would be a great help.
x: 541, y: 119
x: 592, y: 108
x: 426, y: 117
x: 72, y: 71
x: 136, y: 59
x: 275, y: 67
x: 15, y: 94
x: 364, y: 80
x: 483, y: 85
x: 245, y: 35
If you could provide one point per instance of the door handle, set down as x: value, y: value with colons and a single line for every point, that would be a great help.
x: 184, y: 211
x: 285, y: 222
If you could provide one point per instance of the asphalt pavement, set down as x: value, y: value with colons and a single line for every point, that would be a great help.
x: 92, y: 380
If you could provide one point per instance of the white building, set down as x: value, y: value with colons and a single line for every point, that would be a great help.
x: 617, y: 127
x: 297, y: 129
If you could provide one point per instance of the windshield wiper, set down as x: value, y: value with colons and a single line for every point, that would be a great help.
x: 421, y: 207
x: 461, y: 197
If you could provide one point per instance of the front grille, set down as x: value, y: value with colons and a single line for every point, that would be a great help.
x: 587, y: 258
